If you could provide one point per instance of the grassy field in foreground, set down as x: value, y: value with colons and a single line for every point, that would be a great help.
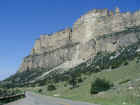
x: 127, y: 93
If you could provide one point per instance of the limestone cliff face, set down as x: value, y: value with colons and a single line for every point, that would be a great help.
x: 98, y: 23
x: 98, y: 30
x: 48, y: 43
x: 50, y: 51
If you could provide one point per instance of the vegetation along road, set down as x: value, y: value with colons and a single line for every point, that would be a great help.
x: 35, y: 99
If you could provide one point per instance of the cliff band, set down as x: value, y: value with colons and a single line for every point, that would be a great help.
x: 97, y: 30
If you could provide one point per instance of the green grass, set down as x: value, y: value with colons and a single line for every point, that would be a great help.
x: 117, y: 96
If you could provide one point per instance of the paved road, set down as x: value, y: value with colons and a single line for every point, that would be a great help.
x: 35, y: 99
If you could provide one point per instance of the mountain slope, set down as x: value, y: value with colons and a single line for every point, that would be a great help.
x: 126, y: 90
x: 95, y: 31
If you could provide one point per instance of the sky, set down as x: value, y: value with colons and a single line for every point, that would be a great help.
x: 22, y: 22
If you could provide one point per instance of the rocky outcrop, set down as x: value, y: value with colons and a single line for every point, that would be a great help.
x: 48, y: 43
x: 98, y: 30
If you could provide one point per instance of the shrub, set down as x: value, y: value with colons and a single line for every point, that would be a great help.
x: 9, y: 92
x: 51, y: 87
x: 65, y: 85
x: 73, y: 82
x: 80, y: 80
x: 126, y: 63
x: 40, y: 90
x: 100, y: 85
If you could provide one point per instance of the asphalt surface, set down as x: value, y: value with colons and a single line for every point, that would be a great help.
x: 35, y: 99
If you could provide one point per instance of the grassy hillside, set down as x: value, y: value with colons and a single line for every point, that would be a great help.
x: 126, y: 90
x: 120, y: 68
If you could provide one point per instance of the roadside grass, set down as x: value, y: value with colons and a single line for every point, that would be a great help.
x: 125, y: 92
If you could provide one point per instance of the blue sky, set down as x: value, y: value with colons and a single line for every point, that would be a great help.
x: 22, y: 21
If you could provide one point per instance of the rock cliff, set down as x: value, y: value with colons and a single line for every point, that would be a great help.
x: 97, y: 30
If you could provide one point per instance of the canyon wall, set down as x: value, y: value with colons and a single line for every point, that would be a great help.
x: 97, y: 30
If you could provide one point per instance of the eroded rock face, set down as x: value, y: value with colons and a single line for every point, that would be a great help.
x: 98, y: 30
x: 48, y: 43
x: 48, y: 59
x: 99, y: 22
